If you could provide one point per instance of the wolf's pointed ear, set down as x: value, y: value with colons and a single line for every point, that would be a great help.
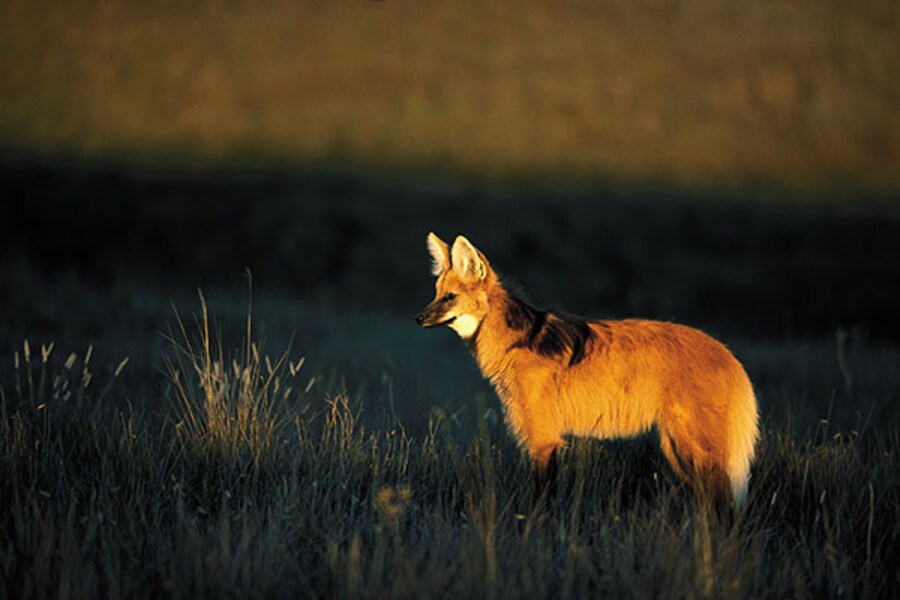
x: 440, y: 255
x: 468, y: 262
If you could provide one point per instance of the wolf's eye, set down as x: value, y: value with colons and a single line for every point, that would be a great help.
x: 448, y: 297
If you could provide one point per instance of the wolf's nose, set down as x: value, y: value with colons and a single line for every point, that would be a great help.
x: 419, y: 318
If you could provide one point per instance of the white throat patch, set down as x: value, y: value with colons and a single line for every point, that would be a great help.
x: 464, y: 325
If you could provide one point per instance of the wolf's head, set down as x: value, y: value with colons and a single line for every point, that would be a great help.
x: 464, y: 278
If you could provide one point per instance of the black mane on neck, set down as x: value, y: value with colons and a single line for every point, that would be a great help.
x: 549, y: 333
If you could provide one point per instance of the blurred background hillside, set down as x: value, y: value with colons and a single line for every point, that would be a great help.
x: 713, y: 90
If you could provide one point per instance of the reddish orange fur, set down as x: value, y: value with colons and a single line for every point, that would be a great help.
x: 634, y: 374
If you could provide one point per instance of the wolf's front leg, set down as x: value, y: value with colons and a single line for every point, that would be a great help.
x: 545, y: 462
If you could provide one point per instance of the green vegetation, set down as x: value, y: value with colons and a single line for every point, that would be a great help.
x: 711, y: 91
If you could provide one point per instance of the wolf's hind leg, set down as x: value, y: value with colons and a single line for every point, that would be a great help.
x: 706, y: 476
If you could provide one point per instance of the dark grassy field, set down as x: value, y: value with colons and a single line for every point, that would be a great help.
x: 380, y: 466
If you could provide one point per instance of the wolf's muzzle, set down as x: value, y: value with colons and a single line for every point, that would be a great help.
x: 432, y: 316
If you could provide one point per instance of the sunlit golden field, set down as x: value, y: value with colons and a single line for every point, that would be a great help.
x: 802, y: 91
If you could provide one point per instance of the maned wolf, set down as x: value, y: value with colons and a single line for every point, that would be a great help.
x: 557, y: 374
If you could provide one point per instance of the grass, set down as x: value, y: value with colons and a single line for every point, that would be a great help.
x: 230, y: 407
x: 370, y: 459
x: 250, y: 482
x: 711, y: 91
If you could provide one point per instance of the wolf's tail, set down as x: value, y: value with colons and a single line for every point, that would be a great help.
x: 743, y: 432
